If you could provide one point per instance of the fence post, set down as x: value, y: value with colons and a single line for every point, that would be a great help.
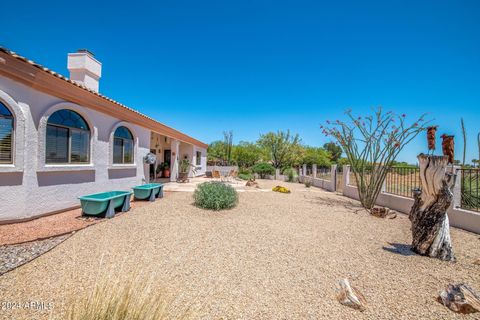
x: 299, y: 171
x: 277, y: 174
x: 346, y: 177
x: 314, y: 171
x: 333, y: 177
x: 457, y: 189
x: 304, y: 169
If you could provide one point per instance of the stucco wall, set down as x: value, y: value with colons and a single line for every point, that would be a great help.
x: 32, y: 188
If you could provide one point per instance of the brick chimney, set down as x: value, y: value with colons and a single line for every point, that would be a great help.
x: 84, y: 68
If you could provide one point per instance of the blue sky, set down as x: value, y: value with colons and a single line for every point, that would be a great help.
x: 256, y: 66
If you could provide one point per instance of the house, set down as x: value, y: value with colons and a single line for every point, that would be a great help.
x: 60, y: 138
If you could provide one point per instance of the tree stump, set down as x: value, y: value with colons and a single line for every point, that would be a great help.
x: 430, y: 225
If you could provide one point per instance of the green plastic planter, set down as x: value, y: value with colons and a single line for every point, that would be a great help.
x: 105, y: 202
x: 148, y: 191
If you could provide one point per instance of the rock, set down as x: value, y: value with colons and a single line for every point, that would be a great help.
x: 351, y: 296
x: 460, y: 298
x: 252, y: 183
x: 383, y: 213
x: 477, y: 262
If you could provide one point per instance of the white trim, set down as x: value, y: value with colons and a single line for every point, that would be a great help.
x: 42, y: 133
x: 18, y: 153
x: 112, y: 165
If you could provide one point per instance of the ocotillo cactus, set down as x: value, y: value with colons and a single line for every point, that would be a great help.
x: 448, y: 147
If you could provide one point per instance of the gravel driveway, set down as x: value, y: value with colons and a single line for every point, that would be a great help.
x: 275, y: 256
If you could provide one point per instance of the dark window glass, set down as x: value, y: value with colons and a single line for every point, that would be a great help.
x: 123, y: 146
x: 68, y: 138
x: 198, y: 159
x: 6, y: 135
x: 57, y: 145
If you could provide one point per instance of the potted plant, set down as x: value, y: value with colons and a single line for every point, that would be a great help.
x: 184, y: 169
x: 166, y: 170
x: 159, y: 170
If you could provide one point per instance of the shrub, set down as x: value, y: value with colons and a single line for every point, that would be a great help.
x: 245, y: 176
x: 263, y: 169
x: 215, y: 196
x: 130, y: 299
x: 308, y: 183
x: 291, y: 173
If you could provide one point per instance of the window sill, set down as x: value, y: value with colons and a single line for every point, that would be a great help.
x: 66, y: 167
x: 10, y: 168
x: 122, y: 166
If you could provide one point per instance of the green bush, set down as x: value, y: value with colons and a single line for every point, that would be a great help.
x: 245, y: 170
x: 215, y: 196
x: 291, y: 173
x: 245, y: 176
x: 263, y: 169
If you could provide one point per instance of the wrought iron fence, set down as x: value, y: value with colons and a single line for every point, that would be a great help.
x: 324, y: 173
x: 470, y: 189
x: 402, y: 180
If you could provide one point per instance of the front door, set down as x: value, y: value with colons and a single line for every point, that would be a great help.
x: 167, y: 157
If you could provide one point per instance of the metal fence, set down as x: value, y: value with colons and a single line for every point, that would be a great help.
x: 470, y: 189
x: 324, y: 173
x: 402, y: 180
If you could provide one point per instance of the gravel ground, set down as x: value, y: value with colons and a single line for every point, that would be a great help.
x: 275, y: 256
x: 12, y: 256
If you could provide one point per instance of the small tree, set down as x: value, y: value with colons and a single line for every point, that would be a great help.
x: 281, y: 147
x: 371, y: 145
x: 246, y: 154
x: 228, y: 143
x: 318, y: 156
x: 335, y: 151
x: 263, y: 169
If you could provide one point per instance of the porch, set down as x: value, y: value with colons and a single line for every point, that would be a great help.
x: 173, y: 158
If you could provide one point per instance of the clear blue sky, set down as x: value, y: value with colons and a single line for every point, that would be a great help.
x: 254, y: 66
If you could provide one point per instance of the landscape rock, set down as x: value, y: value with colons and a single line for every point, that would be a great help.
x: 460, y: 298
x: 351, y: 296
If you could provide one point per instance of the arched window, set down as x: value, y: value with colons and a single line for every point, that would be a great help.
x: 6, y: 135
x: 68, y: 138
x: 122, y: 146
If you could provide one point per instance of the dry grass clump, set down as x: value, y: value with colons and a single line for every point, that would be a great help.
x: 133, y: 299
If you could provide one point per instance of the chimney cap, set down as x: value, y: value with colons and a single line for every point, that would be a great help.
x: 85, y: 51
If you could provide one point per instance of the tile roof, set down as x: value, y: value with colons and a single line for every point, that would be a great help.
x: 58, y: 75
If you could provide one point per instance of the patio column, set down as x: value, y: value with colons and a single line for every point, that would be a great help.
x: 346, y: 177
x: 175, y: 147
x: 314, y: 171
x: 333, y: 177
x: 304, y: 169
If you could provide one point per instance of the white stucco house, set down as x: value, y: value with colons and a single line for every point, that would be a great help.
x: 60, y: 138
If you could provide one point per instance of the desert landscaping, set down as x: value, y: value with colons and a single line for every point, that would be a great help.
x: 275, y: 256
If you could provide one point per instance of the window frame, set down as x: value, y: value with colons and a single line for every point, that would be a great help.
x: 12, y: 138
x: 113, y: 139
x: 198, y: 160
x: 69, y: 141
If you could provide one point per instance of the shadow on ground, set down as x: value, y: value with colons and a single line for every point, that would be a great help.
x: 400, y: 248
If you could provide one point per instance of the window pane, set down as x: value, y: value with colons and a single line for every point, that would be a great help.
x: 79, y: 148
x: 199, y: 158
x: 57, y: 145
x: 6, y: 131
x: 4, y: 111
x: 128, y: 151
x: 123, y: 132
x: 68, y: 118
x: 117, y: 150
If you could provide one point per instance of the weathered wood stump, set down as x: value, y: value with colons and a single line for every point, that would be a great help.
x: 430, y: 225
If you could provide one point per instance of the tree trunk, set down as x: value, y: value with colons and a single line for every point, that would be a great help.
x: 430, y: 226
